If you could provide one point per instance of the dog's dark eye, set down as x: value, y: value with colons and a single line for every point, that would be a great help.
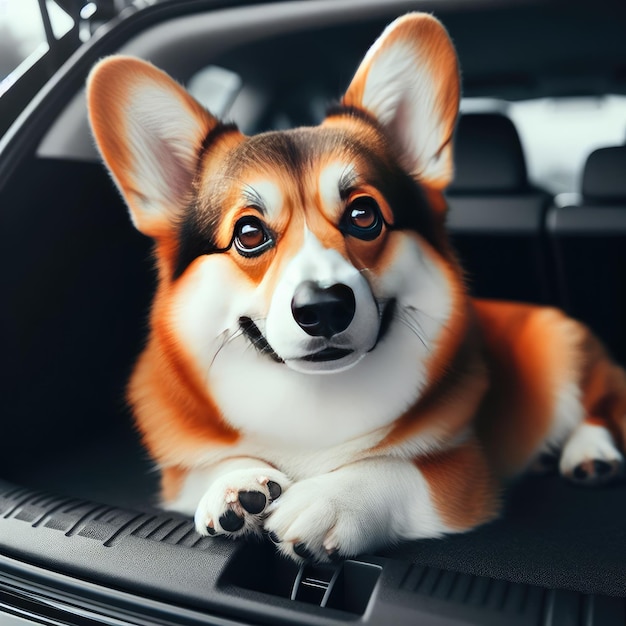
x: 362, y: 219
x: 251, y: 237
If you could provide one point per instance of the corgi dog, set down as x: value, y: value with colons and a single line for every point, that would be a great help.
x: 315, y: 369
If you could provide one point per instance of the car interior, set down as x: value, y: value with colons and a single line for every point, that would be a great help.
x: 79, y: 521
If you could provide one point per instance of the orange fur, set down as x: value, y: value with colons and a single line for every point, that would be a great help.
x: 172, y: 480
x: 463, y: 487
x: 532, y: 353
x: 173, y: 412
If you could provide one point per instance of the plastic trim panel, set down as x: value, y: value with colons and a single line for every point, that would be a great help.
x: 151, y: 567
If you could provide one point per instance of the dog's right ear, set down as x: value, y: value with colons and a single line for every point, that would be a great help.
x: 150, y: 132
x: 409, y: 82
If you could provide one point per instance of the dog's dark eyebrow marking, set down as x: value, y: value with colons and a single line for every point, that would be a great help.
x: 217, y: 131
x: 338, y: 109
x: 252, y: 198
x: 347, y: 182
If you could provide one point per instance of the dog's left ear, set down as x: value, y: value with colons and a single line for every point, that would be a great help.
x: 150, y: 132
x: 409, y: 81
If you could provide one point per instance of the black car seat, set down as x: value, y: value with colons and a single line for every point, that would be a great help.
x: 589, y: 245
x: 496, y: 217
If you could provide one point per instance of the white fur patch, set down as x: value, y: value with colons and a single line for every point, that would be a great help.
x: 268, y: 194
x: 207, y: 307
x: 356, y: 509
x: 325, y: 267
x: 329, y: 184
x: 589, y: 442
x: 568, y: 415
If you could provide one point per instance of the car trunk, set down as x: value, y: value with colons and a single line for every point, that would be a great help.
x: 78, y: 494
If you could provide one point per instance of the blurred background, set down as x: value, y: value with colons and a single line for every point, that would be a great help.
x: 23, y: 36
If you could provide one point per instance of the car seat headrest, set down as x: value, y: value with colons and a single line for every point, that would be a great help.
x: 604, y: 176
x: 488, y: 156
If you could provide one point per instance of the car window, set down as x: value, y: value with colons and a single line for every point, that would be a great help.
x: 558, y: 134
x: 23, y: 37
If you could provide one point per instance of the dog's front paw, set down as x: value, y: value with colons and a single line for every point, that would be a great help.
x: 318, y: 520
x: 236, y: 502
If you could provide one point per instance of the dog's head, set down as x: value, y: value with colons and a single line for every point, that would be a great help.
x: 298, y: 253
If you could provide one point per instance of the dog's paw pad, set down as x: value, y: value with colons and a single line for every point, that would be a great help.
x: 252, y: 501
x: 275, y: 490
x: 231, y: 522
x: 236, y: 503
x: 590, y: 456
x: 595, y: 472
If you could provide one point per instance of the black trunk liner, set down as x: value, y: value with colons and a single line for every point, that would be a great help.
x: 552, y: 533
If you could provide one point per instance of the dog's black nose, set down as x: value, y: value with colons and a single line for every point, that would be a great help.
x: 323, y: 312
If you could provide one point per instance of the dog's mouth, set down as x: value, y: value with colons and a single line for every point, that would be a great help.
x: 257, y: 339
x: 328, y: 354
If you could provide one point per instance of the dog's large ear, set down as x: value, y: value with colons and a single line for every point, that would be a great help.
x: 149, y: 131
x: 409, y: 81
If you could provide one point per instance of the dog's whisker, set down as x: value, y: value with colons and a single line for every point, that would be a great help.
x: 441, y: 320
x: 414, y: 331
x: 414, y: 309
x: 413, y: 317
x: 412, y: 314
x: 227, y: 339
x: 415, y: 328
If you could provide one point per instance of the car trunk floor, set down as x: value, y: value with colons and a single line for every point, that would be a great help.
x: 551, y: 533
